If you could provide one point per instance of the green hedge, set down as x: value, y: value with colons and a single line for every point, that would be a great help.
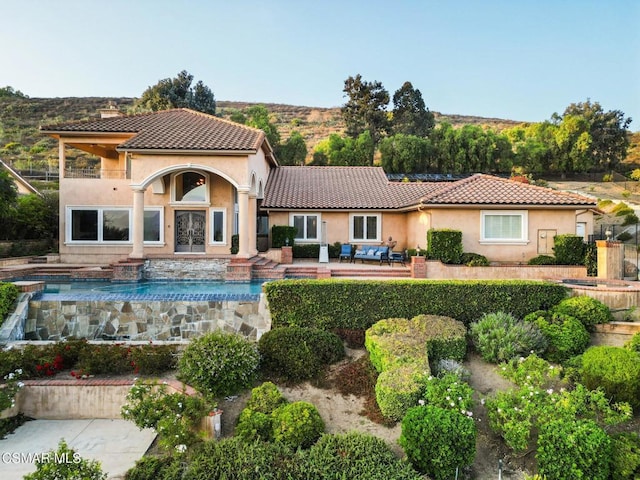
x: 358, y: 304
x: 445, y: 245
x: 399, y: 388
x: 282, y: 235
x: 8, y: 294
x: 569, y: 249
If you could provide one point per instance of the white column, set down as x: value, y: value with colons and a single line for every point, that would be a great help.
x: 138, y: 223
x: 252, y: 226
x: 243, y: 220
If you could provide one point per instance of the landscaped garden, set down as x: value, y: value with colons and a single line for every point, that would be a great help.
x: 382, y: 380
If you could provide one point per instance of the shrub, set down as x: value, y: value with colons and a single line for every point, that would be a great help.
x: 449, y: 392
x: 358, y: 456
x: 625, y: 463
x: 265, y: 398
x: 616, y: 370
x: 354, y: 338
x: 566, y: 335
x: 298, y: 353
x: 634, y: 343
x: 591, y: 259
x: 306, y: 250
x: 173, y: 415
x: 253, y: 426
x: 542, y: 260
x: 297, y: 424
x: 8, y: 294
x: 436, y: 440
x: 444, y: 245
x: 530, y: 371
x: 282, y: 235
x: 474, y: 260
x: 152, y: 359
x: 569, y: 249
x: 50, y: 467
x: 398, y: 388
x: 586, y: 309
x: 358, y: 304
x: 624, y: 236
x: 219, y: 364
x: 156, y: 468
x: 112, y: 359
x: 500, y: 337
x: 446, y: 366
x: 577, y: 450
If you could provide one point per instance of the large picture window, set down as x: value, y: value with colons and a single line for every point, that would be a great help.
x: 365, y: 228
x: 307, y: 226
x: 111, y: 225
x: 505, y: 226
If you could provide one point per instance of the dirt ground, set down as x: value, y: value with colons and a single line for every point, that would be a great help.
x: 341, y: 414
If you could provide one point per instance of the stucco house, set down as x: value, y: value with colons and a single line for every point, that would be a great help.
x: 502, y: 219
x: 178, y: 182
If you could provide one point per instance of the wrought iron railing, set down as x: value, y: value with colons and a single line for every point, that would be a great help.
x: 95, y: 173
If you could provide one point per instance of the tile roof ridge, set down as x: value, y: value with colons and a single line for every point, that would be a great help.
x: 449, y: 186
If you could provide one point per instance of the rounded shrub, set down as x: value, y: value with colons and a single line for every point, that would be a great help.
x: 616, y: 370
x: 542, y: 260
x: 297, y: 424
x: 299, y: 353
x: 357, y: 455
x: 474, y: 260
x: 625, y: 463
x: 253, y: 425
x: 398, y: 389
x: 576, y: 450
x: 566, y: 336
x: 437, y: 440
x: 586, y: 309
x: 265, y: 398
x: 499, y: 337
x: 156, y: 468
x: 448, y: 392
x: 219, y: 363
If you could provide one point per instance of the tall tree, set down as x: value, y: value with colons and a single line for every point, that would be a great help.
x: 293, y: 151
x: 402, y: 153
x: 177, y: 93
x: 258, y: 117
x: 410, y: 115
x: 608, y: 132
x: 365, y: 109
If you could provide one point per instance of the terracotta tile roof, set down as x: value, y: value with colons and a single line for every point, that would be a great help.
x: 178, y: 129
x: 481, y: 189
x: 339, y: 188
x: 368, y: 188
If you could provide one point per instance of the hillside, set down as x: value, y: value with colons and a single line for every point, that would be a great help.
x: 22, y: 145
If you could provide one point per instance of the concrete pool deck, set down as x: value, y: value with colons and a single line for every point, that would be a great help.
x: 116, y: 444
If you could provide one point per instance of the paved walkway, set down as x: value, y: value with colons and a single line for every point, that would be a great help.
x: 117, y: 444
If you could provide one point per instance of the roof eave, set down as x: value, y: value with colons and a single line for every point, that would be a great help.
x: 177, y: 151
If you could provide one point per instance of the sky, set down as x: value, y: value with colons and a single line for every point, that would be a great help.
x: 512, y: 59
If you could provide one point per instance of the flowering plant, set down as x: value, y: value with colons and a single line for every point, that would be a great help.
x: 10, y: 388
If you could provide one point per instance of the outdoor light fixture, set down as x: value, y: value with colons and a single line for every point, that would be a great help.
x: 607, y: 233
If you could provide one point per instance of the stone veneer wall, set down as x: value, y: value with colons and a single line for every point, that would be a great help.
x: 186, y: 268
x: 144, y: 320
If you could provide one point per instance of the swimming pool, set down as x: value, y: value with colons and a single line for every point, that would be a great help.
x: 151, y: 290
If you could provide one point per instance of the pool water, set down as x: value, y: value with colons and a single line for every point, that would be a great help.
x: 151, y: 290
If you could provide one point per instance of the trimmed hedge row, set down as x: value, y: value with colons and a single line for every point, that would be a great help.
x: 8, y: 294
x: 357, y: 304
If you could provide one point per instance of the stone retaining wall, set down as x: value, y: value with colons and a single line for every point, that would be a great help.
x: 186, y: 268
x: 144, y: 320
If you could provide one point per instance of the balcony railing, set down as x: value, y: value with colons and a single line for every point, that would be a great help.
x: 95, y: 173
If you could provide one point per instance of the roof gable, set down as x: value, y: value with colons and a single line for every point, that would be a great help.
x: 173, y: 130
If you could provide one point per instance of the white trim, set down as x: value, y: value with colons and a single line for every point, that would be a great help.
x: 304, y: 238
x: 212, y: 224
x: 378, y: 238
x: 524, y: 225
x: 161, y: 241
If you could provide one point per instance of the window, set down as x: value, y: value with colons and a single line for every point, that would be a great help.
x: 111, y: 225
x: 508, y: 226
x: 307, y: 226
x: 190, y: 187
x: 153, y: 223
x: 218, y: 233
x: 365, y: 227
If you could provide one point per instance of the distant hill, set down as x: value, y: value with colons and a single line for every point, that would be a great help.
x: 22, y: 145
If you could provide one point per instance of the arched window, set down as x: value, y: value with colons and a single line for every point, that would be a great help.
x: 190, y: 187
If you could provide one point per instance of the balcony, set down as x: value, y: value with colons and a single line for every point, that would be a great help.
x: 96, y: 173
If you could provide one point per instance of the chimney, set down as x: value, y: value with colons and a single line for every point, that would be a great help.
x: 110, y: 112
